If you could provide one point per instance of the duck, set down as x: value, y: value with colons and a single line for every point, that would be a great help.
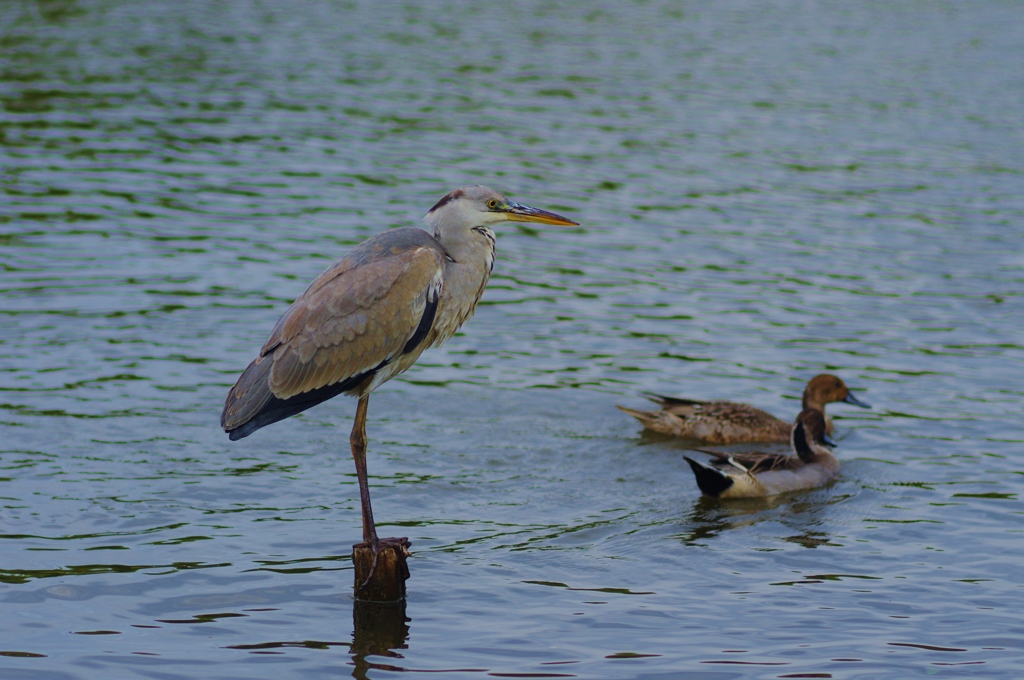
x: 729, y: 422
x: 758, y: 475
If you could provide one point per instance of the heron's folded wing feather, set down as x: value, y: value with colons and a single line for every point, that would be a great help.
x: 356, y: 319
x: 248, y: 396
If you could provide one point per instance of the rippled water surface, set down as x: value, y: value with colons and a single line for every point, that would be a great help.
x: 766, y: 190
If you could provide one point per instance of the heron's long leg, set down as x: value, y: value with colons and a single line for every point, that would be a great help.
x: 358, y: 440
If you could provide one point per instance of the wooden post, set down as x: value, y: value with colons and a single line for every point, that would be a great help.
x: 387, y: 580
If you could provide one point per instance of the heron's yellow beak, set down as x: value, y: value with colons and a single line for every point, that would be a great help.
x: 524, y: 213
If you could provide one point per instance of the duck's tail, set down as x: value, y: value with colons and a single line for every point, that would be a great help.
x: 646, y: 418
x: 712, y: 482
x: 658, y: 421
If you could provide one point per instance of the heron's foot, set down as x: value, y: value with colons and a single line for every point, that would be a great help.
x: 400, y: 545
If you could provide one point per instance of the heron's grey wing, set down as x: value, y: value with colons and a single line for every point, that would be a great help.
x: 354, y: 318
x: 359, y: 319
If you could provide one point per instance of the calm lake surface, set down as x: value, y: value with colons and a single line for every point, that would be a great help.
x: 766, y: 191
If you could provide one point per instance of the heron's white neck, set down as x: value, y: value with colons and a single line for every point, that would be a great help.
x: 464, y: 233
x: 471, y: 248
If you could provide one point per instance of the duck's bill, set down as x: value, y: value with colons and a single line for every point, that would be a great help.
x: 524, y: 213
x: 850, y: 399
x: 828, y: 440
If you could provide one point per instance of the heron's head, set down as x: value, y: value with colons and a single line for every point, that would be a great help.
x: 477, y: 206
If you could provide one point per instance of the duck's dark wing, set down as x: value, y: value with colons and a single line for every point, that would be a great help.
x: 664, y: 401
x: 753, y: 461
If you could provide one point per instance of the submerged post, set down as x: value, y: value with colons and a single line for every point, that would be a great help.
x: 384, y: 582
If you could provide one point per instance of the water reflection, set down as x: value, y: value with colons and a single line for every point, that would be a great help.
x: 709, y: 517
x: 378, y: 628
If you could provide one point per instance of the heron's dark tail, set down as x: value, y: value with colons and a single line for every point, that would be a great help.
x: 251, y: 404
x: 250, y: 395
x: 712, y: 482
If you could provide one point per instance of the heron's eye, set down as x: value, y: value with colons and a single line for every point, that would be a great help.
x: 492, y: 204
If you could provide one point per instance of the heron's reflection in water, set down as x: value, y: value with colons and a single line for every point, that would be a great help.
x: 378, y: 629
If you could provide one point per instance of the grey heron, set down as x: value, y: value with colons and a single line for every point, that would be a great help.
x: 369, y: 316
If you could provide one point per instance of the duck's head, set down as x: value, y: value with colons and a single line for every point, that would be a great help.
x: 827, y: 388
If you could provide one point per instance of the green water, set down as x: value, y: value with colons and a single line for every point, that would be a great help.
x: 766, y: 191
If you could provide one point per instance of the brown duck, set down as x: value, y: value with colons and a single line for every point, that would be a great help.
x: 756, y: 475
x: 729, y: 422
